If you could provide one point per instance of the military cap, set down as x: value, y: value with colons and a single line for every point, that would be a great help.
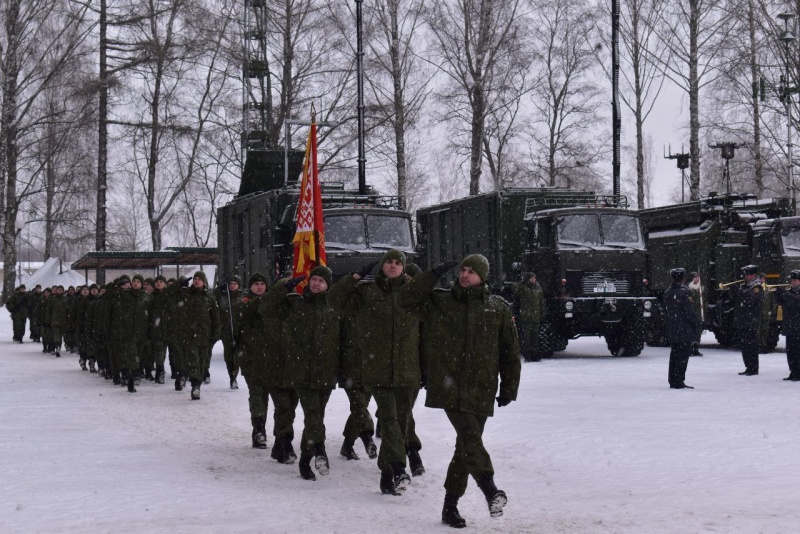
x: 393, y: 254
x: 257, y: 277
x: 202, y: 276
x: 322, y: 272
x: 235, y: 278
x: 160, y: 277
x: 94, y: 286
x: 150, y: 280
x: 678, y: 274
x: 138, y: 277
x: 477, y: 263
x: 750, y: 269
x: 22, y: 287
x: 795, y: 275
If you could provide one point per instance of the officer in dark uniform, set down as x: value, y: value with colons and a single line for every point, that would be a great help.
x: 790, y: 300
x: 748, y: 299
x: 682, y: 324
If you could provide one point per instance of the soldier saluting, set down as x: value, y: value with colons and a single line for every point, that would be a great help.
x: 747, y: 300
x: 790, y: 300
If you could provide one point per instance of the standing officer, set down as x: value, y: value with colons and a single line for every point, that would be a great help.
x: 531, y: 308
x: 698, y: 298
x: 682, y: 324
x: 470, y: 341
x: 748, y: 299
x: 790, y: 300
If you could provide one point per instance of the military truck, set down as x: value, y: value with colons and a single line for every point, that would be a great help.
x: 716, y: 236
x: 255, y: 229
x: 587, y: 249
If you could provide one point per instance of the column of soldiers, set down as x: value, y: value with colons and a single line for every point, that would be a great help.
x: 380, y: 337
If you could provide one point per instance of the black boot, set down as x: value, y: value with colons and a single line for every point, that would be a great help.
x: 277, y: 451
x: 387, y: 483
x: 450, y: 515
x: 82, y: 363
x: 369, y: 446
x: 259, y: 434
x: 289, y: 456
x: 117, y: 380
x: 160, y: 375
x: 495, y: 498
x: 131, y: 385
x: 348, y: 451
x: 91, y: 367
x: 305, y: 467
x: 149, y: 376
x: 196, y: 389
x: 178, y: 383
x: 207, y: 378
x: 400, y: 478
x: 415, y: 463
x: 321, y: 459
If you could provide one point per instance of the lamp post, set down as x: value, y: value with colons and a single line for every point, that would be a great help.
x: 787, y: 37
x: 727, y: 151
x: 683, y: 164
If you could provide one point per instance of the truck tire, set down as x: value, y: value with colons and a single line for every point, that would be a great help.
x: 632, y: 336
x: 726, y: 337
x: 771, y: 342
x: 560, y: 343
x: 656, y: 333
x: 546, y: 341
x: 613, y: 342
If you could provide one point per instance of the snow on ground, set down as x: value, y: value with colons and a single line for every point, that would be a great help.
x: 594, y: 444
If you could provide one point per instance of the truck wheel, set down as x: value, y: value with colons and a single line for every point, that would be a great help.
x: 560, y: 343
x: 613, y: 342
x: 772, y: 339
x: 546, y: 341
x: 725, y: 337
x: 656, y: 332
x: 632, y: 338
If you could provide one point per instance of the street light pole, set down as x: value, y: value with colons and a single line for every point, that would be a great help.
x: 787, y: 37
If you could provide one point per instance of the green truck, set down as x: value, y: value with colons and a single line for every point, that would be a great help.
x: 587, y: 249
x: 716, y: 236
x: 255, y: 230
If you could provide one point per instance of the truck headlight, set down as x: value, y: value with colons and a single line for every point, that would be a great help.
x: 648, y: 304
x: 569, y: 305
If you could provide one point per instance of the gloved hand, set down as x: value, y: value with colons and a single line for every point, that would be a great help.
x: 185, y: 281
x: 367, y: 269
x: 291, y: 283
x: 502, y: 401
x: 442, y: 268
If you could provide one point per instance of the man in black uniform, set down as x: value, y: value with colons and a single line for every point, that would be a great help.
x: 747, y: 300
x: 790, y: 300
x: 682, y: 323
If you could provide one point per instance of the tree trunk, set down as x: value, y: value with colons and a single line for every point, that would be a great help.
x: 694, y: 102
x: 102, y: 143
x: 757, y: 160
x: 399, y: 106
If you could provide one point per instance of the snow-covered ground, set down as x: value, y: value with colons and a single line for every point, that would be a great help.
x: 594, y: 444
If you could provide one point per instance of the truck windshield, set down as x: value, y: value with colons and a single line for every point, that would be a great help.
x: 594, y: 230
x: 388, y: 231
x: 346, y: 231
x: 791, y: 240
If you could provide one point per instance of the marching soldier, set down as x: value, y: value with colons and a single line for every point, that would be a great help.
x: 748, y: 299
x: 470, y: 341
x: 159, y: 307
x: 34, y: 298
x: 17, y: 305
x: 682, y: 324
x: 57, y: 314
x: 790, y: 300
x: 227, y: 297
x: 313, y: 344
x: 251, y: 336
x: 388, y: 343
